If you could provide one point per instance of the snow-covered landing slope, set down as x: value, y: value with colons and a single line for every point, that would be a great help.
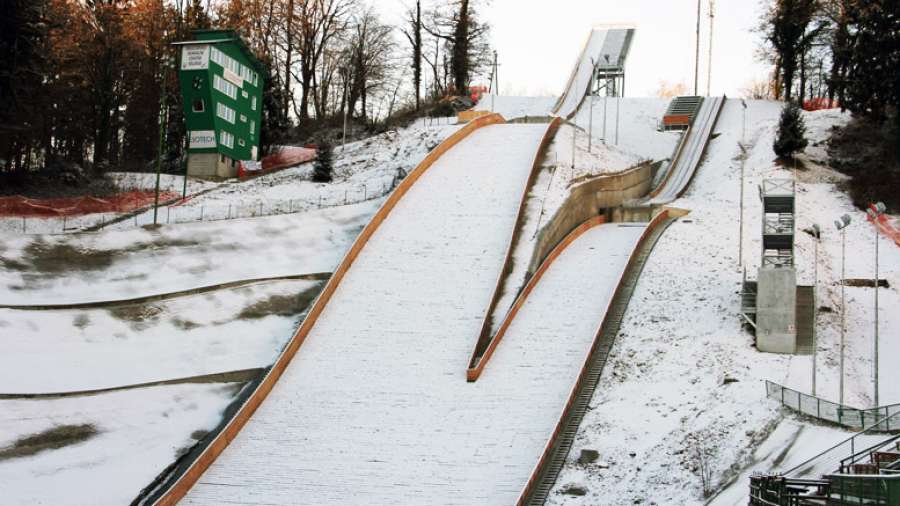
x: 375, y: 407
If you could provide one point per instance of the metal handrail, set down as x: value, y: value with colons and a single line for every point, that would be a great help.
x: 849, y: 439
x: 854, y: 458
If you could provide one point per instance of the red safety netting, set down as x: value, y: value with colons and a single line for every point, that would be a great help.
x: 284, y: 158
x: 77, y: 206
x: 816, y: 104
x: 887, y: 225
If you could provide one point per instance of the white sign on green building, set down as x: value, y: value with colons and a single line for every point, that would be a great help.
x: 221, y: 86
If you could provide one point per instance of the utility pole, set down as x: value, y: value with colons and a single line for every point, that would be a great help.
x: 697, y: 50
x: 163, y: 117
x: 712, y: 6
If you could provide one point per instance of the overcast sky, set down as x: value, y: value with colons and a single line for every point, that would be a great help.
x: 538, y: 41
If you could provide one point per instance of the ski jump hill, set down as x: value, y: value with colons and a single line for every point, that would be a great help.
x: 369, y: 401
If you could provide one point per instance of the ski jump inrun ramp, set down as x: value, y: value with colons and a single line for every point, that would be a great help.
x: 374, y: 407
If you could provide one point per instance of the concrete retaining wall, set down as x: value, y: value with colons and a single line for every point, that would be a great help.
x: 589, y: 198
x: 192, y: 474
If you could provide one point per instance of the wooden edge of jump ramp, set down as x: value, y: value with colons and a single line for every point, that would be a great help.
x: 183, y: 483
x: 485, y: 339
x: 475, y: 369
x: 539, y: 472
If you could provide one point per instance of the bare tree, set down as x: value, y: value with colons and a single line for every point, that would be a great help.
x: 466, y: 40
x: 370, y: 50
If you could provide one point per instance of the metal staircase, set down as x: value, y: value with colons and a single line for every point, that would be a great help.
x: 870, y: 476
x: 681, y: 112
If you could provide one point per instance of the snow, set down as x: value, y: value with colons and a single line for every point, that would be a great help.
x: 121, y: 264
x: 662, y: 395
x: 513, y: 107
x: 376, y: 399
x: 188, y: 336
x: 140, y: 432
x: 632, y: 129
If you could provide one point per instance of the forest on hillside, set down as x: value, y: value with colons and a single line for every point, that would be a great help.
x: 83, y: 82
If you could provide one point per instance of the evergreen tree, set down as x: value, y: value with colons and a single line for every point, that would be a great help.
x: 324, y: 162
x: 873, y: 87
x: 791, y: 131
x: 275, y: 124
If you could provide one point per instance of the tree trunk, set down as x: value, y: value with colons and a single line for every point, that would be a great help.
x: 460, y: 58
x: 287, y: 60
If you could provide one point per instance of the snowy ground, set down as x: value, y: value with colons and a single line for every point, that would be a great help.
x: 511, y: 107
x: 131, y: 436
x: 221, y: 331
x: 120, y: 264
x: 663, y: 395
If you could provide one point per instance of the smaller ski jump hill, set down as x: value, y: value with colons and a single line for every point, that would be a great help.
x: 606, y: 47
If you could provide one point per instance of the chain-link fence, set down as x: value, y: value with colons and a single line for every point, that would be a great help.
x: 833, y: 412
x: 193, y: 212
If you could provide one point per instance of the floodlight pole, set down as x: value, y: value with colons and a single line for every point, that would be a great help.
x: 617, y: 119
x: 591, y: 108
x: 875, y: 222
x: 574, y: 132
x: 843, y: 307
x: 605, y: 95
x: 712, y: 6
x: 697, y: 50
x: 815, y: 310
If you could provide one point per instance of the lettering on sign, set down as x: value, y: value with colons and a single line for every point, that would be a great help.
x: 202, y: 139
x: 195, y: 57
x: 234, y: 78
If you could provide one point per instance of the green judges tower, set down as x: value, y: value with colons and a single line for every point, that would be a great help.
x: 221, y: 86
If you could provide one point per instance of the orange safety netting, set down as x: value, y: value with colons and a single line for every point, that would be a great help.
x: 76, y: 206
x: 284, y: 158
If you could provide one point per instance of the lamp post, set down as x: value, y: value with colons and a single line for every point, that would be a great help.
x: 163, y: 116
x: 591, y: 111
x: 841, y: 224
x: 743, y: 146
x: 875, y: 211
x: 817, y: 234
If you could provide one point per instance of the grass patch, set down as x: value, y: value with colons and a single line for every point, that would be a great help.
x: 281, y: 305
x: 51, y: 439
